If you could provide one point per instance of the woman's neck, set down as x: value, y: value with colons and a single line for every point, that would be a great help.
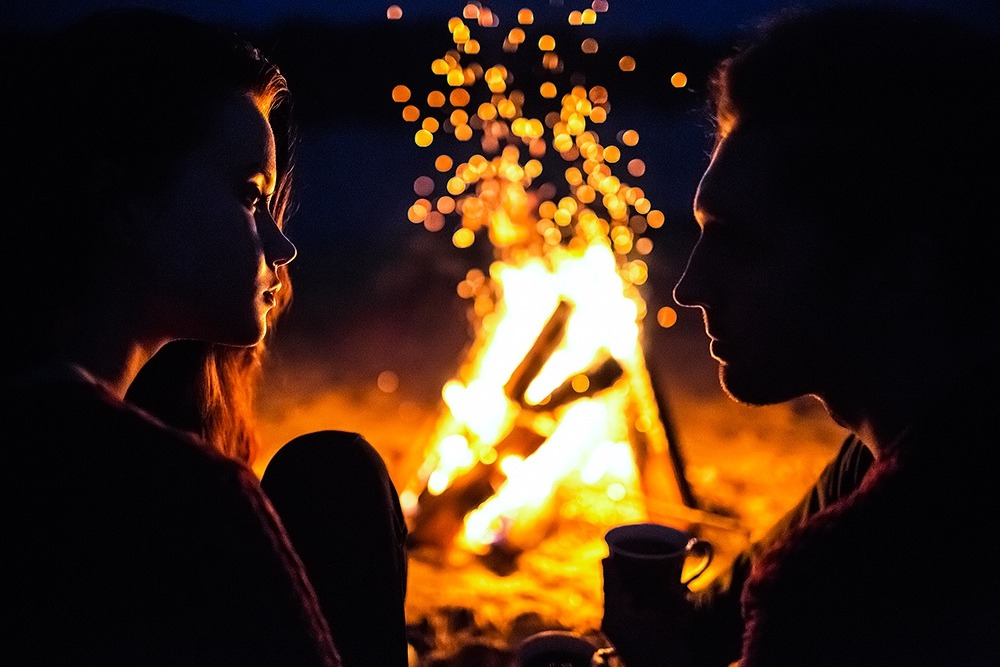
x: 112, y: 354
x: 115, y: 368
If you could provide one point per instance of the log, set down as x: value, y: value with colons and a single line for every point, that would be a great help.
x: 548, y: 340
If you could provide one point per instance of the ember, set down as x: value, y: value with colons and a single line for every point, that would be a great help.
x: 553, y: 415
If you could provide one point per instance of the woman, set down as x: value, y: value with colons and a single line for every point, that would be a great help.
x: 149, y: 174
x: 331, y: 489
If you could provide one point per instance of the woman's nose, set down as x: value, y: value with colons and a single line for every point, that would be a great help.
x: 278, y: 250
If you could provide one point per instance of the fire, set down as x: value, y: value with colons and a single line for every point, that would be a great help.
x: 553, y: 413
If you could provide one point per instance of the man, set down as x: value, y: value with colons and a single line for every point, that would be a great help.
x: 845, y: 254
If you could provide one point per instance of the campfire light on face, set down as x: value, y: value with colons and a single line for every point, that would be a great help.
x: 553, y: 411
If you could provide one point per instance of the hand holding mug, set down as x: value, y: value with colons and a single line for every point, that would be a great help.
x: 646, y: 610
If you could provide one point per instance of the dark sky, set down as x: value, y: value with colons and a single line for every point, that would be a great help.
x: 705, y: 18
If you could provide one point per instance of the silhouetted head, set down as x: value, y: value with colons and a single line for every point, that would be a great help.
x: 846, y: 210
x: 151, y: 161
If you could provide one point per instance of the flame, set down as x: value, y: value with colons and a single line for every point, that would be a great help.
x: 588, y: 445
x: 569, y: 260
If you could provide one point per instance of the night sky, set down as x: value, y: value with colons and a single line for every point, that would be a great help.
x: 706, y: 18
x: 359, y: 256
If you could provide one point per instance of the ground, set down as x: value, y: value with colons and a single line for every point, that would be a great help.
x: 746, y: 465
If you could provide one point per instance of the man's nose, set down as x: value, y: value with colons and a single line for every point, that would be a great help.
x: 691, y: 290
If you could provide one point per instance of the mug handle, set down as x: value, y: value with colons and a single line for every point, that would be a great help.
x: 702, y: 549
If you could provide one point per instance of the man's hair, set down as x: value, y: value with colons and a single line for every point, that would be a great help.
x: 893, y: 115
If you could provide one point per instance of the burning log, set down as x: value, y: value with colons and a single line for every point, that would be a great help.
x: 440, y: 518
x: 548, y: 340
x: 601, y: 375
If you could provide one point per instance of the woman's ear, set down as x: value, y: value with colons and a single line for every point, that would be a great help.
x: 106, y: 199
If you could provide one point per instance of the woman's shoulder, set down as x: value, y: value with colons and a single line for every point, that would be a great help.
x: 74, y: 421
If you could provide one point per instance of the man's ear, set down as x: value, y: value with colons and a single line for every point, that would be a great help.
x: 913, y: 270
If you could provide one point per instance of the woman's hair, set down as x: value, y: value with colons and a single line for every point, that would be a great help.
x: 892, y: 112
x: 103, y: 110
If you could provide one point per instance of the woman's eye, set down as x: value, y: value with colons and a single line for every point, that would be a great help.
x: 254, y: 199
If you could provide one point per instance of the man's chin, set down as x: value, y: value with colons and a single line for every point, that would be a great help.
x: 754, y: 388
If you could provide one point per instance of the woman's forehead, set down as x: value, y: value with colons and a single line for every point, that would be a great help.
x: 243, y: 136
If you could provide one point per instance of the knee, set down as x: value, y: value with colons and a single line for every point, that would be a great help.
x: 332, y: 463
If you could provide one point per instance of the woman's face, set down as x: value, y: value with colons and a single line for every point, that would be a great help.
x: 210, y: 249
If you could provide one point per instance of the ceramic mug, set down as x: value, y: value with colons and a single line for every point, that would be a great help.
x: 559, y: 648
x: 652, y: 556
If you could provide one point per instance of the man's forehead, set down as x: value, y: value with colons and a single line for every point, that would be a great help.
x: 740, y: 182
x: 754, y: 142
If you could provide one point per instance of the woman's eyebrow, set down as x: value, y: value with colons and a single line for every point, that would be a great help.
x: 261, y: 169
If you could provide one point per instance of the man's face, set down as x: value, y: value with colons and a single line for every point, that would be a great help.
x: 767, y: 277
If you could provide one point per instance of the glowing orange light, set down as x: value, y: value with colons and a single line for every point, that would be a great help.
x: 440, y: 67
x: 434, y: 222
x: 666, y: 317
x: 400, y: 94
x: 678, y: 80
x: 410, y: 113
x: 417, y: 213
x: 487, y: 19
x: 423, y: 138
x: 387, y: 381
x: 551, y: 238
x: 463, y: 238
x: 394, y: 12
x: 445, y: 204
x: 655, y: 218
x: 442, y: 163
